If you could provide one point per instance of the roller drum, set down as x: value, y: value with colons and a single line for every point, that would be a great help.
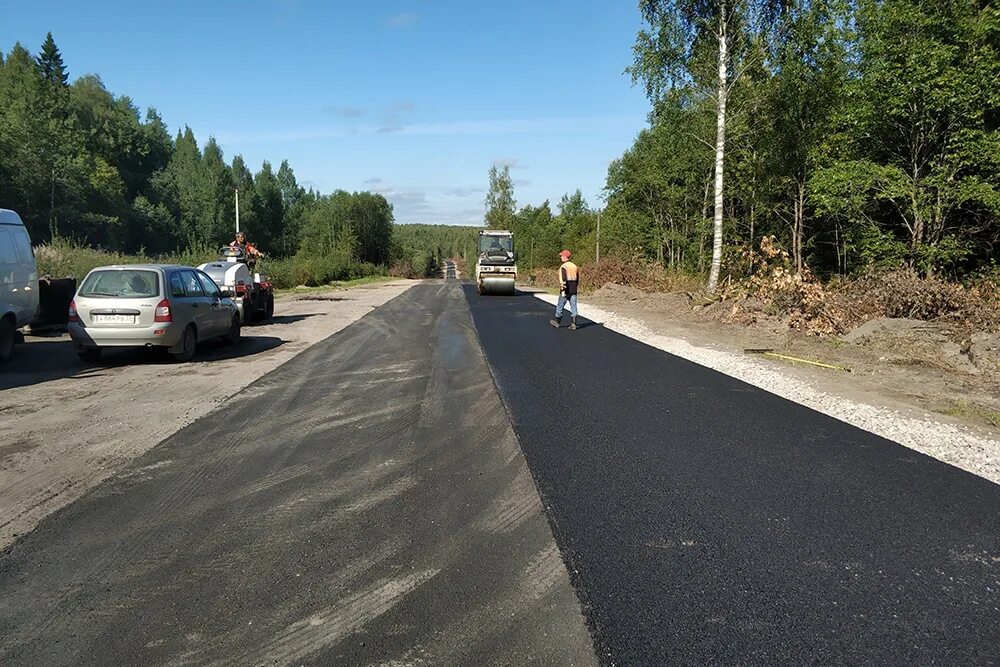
x: 496, y: 285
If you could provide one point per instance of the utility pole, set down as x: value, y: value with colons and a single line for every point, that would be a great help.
x: 598, y: 235
x: 237, y: 210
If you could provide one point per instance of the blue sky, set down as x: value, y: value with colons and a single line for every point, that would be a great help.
x: 414, y: 99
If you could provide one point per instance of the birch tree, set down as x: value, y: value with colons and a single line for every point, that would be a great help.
x: 680, y: 39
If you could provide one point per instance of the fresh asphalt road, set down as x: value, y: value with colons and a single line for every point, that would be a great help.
x: 368, y: 503
x: 705, y: 521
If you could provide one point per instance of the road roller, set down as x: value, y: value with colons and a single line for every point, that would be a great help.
x: 496, y: 265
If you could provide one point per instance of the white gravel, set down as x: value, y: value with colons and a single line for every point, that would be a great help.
x: 947, y: 442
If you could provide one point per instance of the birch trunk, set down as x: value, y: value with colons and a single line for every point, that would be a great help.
x: 720, y: 153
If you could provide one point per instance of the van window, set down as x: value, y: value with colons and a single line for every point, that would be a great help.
x: 7, y: 253
x: 123, y: 284
x: 23, y: 246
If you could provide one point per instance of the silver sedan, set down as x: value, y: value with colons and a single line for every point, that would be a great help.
x: 150, y: 305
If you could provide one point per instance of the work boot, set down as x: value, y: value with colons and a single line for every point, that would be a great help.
x: 572, y: 327
x: 556, y: 323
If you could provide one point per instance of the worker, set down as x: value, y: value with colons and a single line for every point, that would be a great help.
x: 249, y: 250
x: 569, y: 280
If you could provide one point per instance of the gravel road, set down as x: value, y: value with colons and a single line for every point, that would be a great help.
x: 66, y: 426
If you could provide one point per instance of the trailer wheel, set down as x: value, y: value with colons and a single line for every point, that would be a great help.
x: 269, y: 307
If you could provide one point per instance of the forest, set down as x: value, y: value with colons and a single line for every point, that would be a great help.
x: 857, y: 135
x: 87, y: 171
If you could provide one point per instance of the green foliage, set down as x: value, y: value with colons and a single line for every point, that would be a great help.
x: 862, y: 135
x: 84, y: 169
x: 64, y: 258
x: 500, y: 202
x: 316, y: 271
x: 419, y: 250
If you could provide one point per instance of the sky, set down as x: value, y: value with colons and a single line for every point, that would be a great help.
x: 413, y: 99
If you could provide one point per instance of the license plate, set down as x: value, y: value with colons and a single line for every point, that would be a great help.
x: 106, y: 318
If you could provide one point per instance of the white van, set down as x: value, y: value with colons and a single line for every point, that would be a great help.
x: 18, y: 281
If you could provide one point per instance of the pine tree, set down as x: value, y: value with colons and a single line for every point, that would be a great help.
x: 50, y: 63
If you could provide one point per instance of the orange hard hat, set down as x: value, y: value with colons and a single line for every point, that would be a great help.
x: 565, y: 254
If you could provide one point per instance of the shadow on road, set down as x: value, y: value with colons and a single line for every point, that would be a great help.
x: 541, y: 311
x: 284, y: 319
x: 45, y: 359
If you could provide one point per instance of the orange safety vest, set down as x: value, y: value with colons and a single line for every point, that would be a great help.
x: 569, y: 278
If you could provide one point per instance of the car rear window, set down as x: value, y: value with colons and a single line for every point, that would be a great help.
x: 121, y: 283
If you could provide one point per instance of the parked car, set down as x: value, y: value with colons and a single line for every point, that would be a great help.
x: 150, y: 305
x: 18, y: 281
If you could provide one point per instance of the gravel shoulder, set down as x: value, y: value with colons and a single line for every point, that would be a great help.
x: 895, y: 401
x: 66, y: 426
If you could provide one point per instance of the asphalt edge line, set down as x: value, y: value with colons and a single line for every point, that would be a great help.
x: 967, y: 451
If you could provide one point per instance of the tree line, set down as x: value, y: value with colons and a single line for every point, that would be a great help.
x: 80, y: 163
x: 539, y: 232
x: 861, y: 134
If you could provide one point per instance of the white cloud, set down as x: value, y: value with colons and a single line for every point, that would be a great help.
x: 345, y: 112
x: 464, y: 192
x: 401, y: 20
x: 511, y: 162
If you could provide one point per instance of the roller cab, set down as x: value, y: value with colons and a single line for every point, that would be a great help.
x: 496, y: 264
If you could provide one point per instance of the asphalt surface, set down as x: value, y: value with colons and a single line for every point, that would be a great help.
x: 365, y: 503
x: 368, y: 503
x: 708, y: 522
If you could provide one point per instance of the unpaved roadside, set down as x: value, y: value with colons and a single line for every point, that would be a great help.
x: 66, y: 426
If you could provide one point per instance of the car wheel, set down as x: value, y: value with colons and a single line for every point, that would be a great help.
x: 233, y: 337
x: 189, y: 341
x: 90, y: 354
x: 269, y: 307
x: 7, y: 339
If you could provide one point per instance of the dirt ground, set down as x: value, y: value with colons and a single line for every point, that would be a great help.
x: 900, y: 364
x: 65, y: 426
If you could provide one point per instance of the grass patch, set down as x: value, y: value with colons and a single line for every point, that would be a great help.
x: 66, y: 259
x: 967, y: 410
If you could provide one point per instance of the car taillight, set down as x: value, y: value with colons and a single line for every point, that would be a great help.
x: 73, y: 317
x: 241, y: 289
x: 162, y: 312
